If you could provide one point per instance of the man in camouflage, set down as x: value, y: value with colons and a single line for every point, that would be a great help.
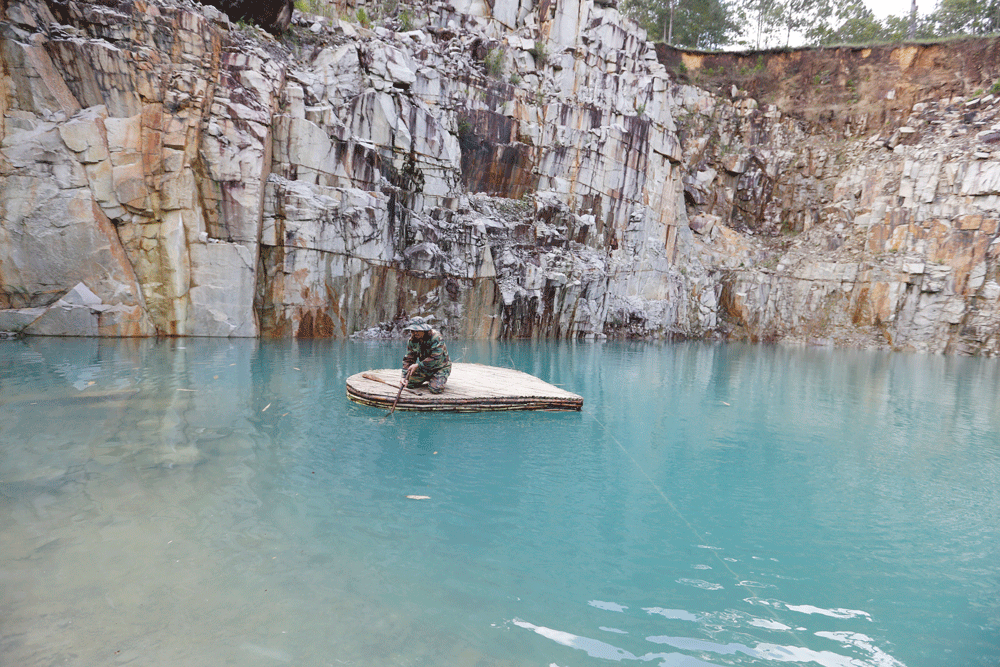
x: 426, y: 359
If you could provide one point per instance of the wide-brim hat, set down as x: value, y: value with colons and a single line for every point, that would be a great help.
x: 418, y: 324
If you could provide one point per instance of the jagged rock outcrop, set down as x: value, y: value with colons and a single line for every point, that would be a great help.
x: 272, y: 15
x: 518, y: 169
x: 880, y: 236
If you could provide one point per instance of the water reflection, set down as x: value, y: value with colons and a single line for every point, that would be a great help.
x: 841, y: 655
x: 210, y: 502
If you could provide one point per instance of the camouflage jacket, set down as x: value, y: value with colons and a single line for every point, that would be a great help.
x: 429, y: 353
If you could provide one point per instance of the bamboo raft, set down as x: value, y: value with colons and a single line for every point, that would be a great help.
x: 470, y: 388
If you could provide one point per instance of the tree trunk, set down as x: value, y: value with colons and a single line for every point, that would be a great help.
x: 913, y: 20
x: 670, y: 36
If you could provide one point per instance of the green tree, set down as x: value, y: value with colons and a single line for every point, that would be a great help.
x: 967, y: 17
x: 850, y: 22
x: 693, y: 24
x: 797, y: 16
x: 764, y: 20
x: 897, y: 28
x: 703, y: 24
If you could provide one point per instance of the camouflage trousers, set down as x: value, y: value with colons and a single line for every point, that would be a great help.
x: 435, y: 381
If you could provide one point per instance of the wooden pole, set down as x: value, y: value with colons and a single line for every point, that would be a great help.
x: 402, y: 386
x: 375, y: 378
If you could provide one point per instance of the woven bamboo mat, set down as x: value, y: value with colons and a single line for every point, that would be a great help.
x: 470, y: 388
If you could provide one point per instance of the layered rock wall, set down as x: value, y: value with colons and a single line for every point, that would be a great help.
x: 519, y: 170
x: 877, y: 213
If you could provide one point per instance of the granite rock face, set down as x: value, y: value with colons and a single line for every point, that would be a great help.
x: 886, y: 239
x: 273, y: 15
x: 514, y: 169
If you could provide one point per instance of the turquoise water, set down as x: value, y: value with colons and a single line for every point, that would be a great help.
x: 214, y: 502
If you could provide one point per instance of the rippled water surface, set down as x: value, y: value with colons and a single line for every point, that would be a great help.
x: 213, y: 502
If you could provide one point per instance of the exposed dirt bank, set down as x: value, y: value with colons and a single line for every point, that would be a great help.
x: 852, y: 89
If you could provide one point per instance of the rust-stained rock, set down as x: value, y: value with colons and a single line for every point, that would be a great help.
x: 201, y: 179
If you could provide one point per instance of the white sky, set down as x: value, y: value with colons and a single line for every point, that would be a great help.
x: 883, y: 8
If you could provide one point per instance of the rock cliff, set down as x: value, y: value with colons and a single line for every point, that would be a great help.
x: 514, y: 169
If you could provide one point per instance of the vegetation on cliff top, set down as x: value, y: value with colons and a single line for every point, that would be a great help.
x: 757, y: 24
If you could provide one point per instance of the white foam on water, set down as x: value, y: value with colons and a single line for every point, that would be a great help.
x: 678, y: 614
x: 832, y: 613
x: 700, y: 583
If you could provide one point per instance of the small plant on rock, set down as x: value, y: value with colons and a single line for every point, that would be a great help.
x: 405, y: 21
x: 316, y: 8
x: 540, y: 52
x: 494, y: 62
x: 363, y: 18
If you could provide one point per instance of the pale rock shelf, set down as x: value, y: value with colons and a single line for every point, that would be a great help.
x: 470, y: 388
